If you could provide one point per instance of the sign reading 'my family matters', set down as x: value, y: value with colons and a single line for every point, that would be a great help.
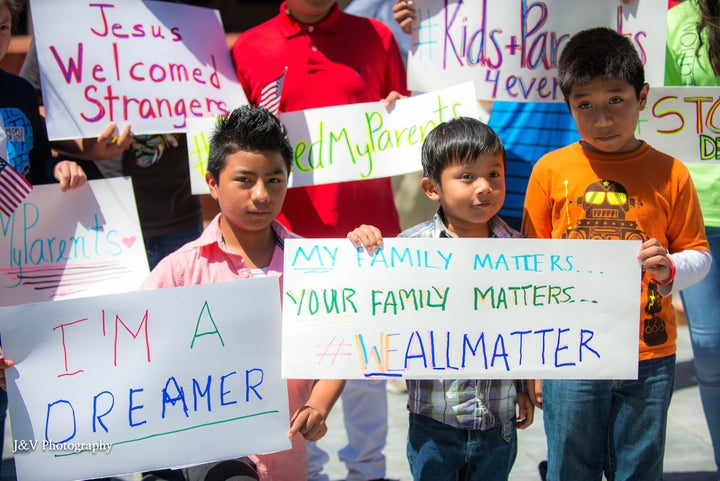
x: 461, y: 308
x: 65, y: 245
x: 683, y: 122
x: 351, y: 142
x: 148, y: 63
x: 128, y: 383
x: 511, y: 47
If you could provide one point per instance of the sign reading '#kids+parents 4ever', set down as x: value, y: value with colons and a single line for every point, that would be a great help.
x: 461, y: 308
x: 351, y: 142
x: 65, y: 245
x: 148, y: 63
x: 511, y: 47
x: 135, y: 382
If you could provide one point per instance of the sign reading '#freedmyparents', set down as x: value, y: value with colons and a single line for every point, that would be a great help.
x: 461, y: 308
x: 351, y: 142
x: 148, y: 63
x: 511, y: 47
x: 134, y: 382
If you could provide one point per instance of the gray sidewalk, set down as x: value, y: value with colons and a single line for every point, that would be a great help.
x: 688, y: 454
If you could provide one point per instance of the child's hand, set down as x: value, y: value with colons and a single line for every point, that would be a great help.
x: 656, y: 260
x: 404, y: 14
x: 389, y: 101
x: 526, y: 411
x: 308, y: 422
x: 69, y: 174
x: 367, y: 236
x: 535, y: 391
x: 108, y: 145
x: 5, y: 363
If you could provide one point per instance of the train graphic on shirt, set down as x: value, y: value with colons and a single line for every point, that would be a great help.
x: 606, y: 204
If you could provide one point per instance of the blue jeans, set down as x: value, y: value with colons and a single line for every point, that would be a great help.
x: 615, y: 427
x: 700, y: 302
x: 159, y: 246
x: 438, y: 452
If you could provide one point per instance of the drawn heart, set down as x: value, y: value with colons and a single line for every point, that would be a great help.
x: 128, y: 241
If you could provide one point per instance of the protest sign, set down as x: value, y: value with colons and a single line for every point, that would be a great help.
x: 65, y: 245
x: 511, y: 47
x: 461, y: 308
x: 139, y: 381
x: 683, y: 122
x: 351, y: 142
x: 147, y: 63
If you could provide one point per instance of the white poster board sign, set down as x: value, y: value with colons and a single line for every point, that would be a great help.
x: 461, y: 308
x: 147, y: 63
x: 134, y: 382
x: 511, y: 47
x: 65, y: 245
x: 683, y: 122
x: 351, y: 142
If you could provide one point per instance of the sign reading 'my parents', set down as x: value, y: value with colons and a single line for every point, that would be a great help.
x: 461, y: 308
x: 351, y: 142
x: 148, y: 63
x: 511, y: 47
x: 65, y: 245
x: 133, y: 382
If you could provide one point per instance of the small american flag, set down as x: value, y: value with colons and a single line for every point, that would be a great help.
x: 13, y: 188
x: 270, y: 94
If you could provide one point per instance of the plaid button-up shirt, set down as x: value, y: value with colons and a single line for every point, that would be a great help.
x: 463, y: 403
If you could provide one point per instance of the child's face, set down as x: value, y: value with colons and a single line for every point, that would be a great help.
x: 606, y: 114
x: 5, y: 29
x: 470, y: 194
x: 251, y: 189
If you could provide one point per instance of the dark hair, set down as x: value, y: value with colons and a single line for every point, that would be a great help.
x: 710, y: 20
x: 248, y: 129
x: 599, y: 52
x: 15, y: 7
x: 458, y: 141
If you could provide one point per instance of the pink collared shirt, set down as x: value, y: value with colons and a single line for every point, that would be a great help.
x: 207, y: 260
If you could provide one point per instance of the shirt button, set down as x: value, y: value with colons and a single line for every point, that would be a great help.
x: 314, y: 48
x: 311, y: 29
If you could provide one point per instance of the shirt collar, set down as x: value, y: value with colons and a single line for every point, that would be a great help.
x: 291, y: 27
x: 496, y: 226
x: 213, y: 235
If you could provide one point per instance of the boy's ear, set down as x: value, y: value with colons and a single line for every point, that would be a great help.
x: 430, y: 188
x: 644, y: 96
x: 212, y: 185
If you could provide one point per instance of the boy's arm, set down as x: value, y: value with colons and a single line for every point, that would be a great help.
x: 691, y: 267
x: 309, y: 420
x: 673, y: 272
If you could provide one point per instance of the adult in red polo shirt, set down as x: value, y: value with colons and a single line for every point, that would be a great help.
x: 332, y: 58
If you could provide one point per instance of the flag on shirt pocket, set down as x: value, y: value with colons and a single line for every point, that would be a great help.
x: 270, y: 94
x: 13, y: 188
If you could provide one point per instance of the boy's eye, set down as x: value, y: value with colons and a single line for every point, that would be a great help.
x: 466, y: 176
x: 584, y: 105
x: 616, y: 100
